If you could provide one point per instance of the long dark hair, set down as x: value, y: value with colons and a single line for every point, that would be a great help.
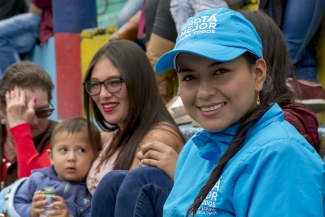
x: 274, y: 91
x: 146, y: 108
x: 275, y: 54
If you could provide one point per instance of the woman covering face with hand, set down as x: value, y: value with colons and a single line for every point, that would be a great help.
x: 25, y: 131
x: 248, y: 161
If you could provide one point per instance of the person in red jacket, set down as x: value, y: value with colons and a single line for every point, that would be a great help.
x: 25, y: 131
x: 19, y: 34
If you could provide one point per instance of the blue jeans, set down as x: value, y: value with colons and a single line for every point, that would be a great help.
x: 18, y: 35
x: 130, y: 8
x: 300, y: 23
x: 181, y: 10
x: 140, y: 192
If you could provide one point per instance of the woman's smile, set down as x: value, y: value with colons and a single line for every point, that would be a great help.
x: 109, y: 106
x: 211, y: 110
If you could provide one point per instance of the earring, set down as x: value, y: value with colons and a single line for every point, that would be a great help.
x: 258, y: 98
x: 2, y: 120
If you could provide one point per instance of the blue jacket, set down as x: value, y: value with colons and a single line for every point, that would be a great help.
x: 276, y: 173
x: 76, y: 196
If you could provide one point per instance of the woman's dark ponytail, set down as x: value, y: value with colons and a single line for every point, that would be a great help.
x: 239, y: 140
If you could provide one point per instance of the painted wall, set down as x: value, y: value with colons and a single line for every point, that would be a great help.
x: 107, y: 11
x: 91, y: 41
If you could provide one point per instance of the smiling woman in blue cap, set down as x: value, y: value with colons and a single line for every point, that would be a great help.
x: 248, y: 160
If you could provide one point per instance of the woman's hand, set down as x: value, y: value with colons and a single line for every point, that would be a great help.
x: 59, y: 207
x: 17, y: 111
x: 36, y: 10
x: 38, y: 204
x: 159, y: 155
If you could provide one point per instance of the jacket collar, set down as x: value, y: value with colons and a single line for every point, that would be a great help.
x: 50, y: 172
x: 212, y: 145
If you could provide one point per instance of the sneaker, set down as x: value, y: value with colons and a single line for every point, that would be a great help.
x: 177, y: 111
x: 310, y: 96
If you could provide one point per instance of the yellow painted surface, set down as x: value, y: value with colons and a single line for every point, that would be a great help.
x: 321, y: 65
x: 92, y: 40
x: 249, y: 7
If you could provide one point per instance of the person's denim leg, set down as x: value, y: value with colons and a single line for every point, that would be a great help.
x: 306, y: 67
x: 103, y: 201
x: 143, y: 193
x: 140, y: 192
x: 181, y: 10
x: 300, y: 23
x: 130, y: 8
x: 18, y: 35
x: 199, y: 5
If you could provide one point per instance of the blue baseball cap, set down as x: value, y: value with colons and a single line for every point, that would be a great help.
x: 219, y: 34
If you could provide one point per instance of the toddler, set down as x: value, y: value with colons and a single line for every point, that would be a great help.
x: 72, y: 153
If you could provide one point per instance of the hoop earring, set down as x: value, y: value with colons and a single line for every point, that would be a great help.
x: 258, y: 98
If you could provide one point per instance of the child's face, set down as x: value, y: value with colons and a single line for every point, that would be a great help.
x: 71, y: 156
x: 218, y: 94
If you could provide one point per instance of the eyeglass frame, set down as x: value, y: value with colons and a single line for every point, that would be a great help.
x: 101, y: 83
x: 45, y: 109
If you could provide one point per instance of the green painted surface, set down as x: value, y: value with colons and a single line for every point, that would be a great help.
x: 107, y: 11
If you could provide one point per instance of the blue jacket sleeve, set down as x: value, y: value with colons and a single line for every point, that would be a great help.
x: 282, y: 178
x: 182, y: 157
x: 24, y: 195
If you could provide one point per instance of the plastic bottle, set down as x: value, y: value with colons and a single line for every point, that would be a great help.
x: 49, y: 193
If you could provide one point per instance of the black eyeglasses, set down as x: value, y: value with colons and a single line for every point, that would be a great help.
x: 112, y: 85
x: 45, y: 112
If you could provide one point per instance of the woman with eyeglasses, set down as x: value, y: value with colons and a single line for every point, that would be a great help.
x: 25, y: 131
x: 121, y: 95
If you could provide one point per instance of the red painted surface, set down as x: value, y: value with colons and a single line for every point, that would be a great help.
x: 68, y: 75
